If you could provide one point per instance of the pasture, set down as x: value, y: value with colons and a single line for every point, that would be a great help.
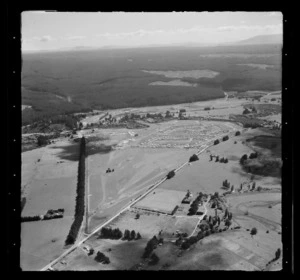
x: 162, y: 201
x: 49, y: 179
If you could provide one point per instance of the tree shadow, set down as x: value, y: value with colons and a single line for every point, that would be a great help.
x: 69, y: 152
x: 100, y: 149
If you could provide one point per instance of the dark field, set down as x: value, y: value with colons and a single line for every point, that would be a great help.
x: 272, y: 143
x: 267, y: 164
x: 66, y: 82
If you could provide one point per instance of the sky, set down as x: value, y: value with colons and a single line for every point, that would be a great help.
x: 43, y: 30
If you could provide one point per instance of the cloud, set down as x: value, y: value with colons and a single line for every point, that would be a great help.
x: 75, y: 37
x: 139, y: 33
x: 46, y: 38
x: 274, y: 27
x: 143, y: 32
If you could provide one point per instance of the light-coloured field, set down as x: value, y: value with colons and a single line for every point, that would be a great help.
x: 173, y: 83
x: 259, y: 66
x: 135, y: 170
x: 186, y: 134
x: 161, y: 201
x: 196, y: 74
x: 47, y: 184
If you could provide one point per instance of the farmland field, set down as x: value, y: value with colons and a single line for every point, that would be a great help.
x: 163, y: 201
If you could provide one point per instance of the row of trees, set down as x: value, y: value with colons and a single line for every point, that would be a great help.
x: 131, y: 235
x: 222, y: 160
x: 31, y: 218
x: 79, y: 208
x: 245, y: 157
x: 117, y: 234
x: 195, y: 204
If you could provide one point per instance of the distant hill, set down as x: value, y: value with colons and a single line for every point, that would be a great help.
x: 262, y: 40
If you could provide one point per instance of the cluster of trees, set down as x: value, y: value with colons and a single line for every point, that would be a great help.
x: 207, y: 108
x: 209, y: 227
x: 79, y: 208
x: 169, y: 115
x: 246, y: 111
x: 206, y: 230
x: 243, y: 159
x: 195, y: 204
x: 151, y: 245
x: 216, y: 142
x: 253, y: 155
x: 253, y: 231
x: 70, y: 121
x: 171, y: 174
x: 227, y: 215
x: 237, y: 133
x: 188, y: 242
x: 251, y: 125
x: 100, y: 257
x: 226, y: 185
x: 222, y: 160
x: 194, y: 157
x: 43, y: 140
x: 225, y: 138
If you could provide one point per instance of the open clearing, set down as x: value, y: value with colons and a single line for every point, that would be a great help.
x: 196, y: 74
x: 49, y: 183
x: 163, y: 201
x: 172, y: 83
x: 259, y: 66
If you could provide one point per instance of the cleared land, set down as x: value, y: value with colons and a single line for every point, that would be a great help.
x: 172, y: 83
x: 49, y: 183
x: 163, y: 201
x: 196, y: 74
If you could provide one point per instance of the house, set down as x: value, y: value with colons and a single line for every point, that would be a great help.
x: 88, y: 249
